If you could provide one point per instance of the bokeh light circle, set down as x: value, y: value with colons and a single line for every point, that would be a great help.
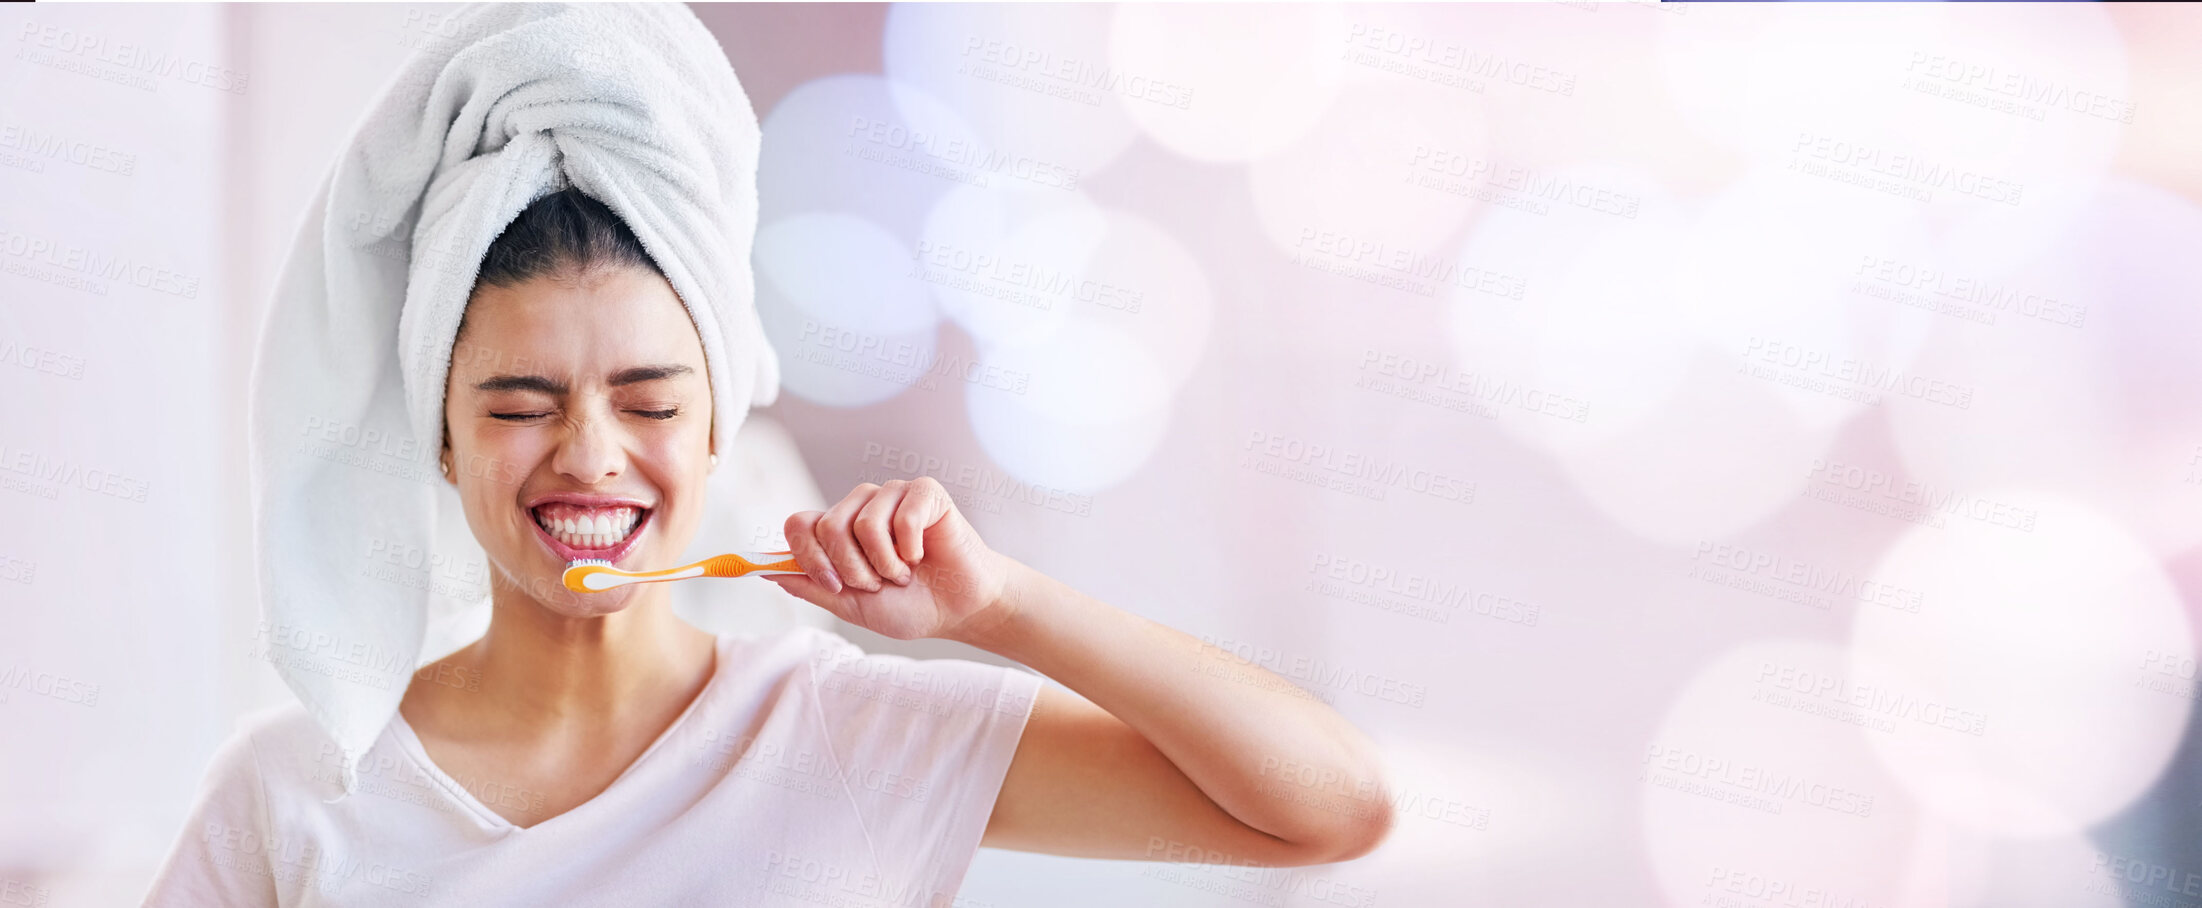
x: 1745, y: 775
x: 1771, y: 276
x: 1251, y: 84
x: 1017, y: 269
x: 870, y: 146
x: 2014, y: 701
x: 1726, y: 454
x: 850, y: 325
x: 1983, y: 123
x: 1598, y: 320
x: 1078, y: 411
x: 1402, y: 161
x: 1032, y: 78
x: 2089, y: 357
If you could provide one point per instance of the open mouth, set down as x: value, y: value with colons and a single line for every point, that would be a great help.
x: 575, y: 531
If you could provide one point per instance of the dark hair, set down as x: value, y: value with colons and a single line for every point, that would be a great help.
x: 563, y: 234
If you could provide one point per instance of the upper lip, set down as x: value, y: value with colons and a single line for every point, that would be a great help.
x: 585, y: 500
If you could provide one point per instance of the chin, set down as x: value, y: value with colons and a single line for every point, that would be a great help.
x: 545, y: 588
x: 569, y: 604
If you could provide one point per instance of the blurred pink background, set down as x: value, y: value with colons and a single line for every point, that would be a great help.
x: 1728, y: 455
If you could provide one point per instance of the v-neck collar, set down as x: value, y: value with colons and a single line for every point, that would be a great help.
x: 410, y: 742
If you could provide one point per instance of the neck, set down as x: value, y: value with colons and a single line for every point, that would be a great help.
x: 545, y: 669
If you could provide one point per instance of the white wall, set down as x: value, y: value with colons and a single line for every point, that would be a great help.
x: 120, y: 476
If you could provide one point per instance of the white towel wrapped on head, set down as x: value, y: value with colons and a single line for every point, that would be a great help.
x: 358, y: 537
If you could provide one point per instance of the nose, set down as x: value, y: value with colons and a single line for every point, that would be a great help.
x: 592, y: 451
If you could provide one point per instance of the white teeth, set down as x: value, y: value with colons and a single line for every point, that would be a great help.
x: 601, y: 529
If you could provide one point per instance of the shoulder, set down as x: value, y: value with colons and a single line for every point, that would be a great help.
x: 220, y: 856
x: 239, y: 755
x: 279, y: 745
x: 278, y: 725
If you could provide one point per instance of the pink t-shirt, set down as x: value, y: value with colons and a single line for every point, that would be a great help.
x: 807, y: 773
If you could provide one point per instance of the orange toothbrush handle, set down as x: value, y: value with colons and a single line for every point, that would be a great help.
x: 738, y: 565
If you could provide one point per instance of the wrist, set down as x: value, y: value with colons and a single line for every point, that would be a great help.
x: 996, y: 626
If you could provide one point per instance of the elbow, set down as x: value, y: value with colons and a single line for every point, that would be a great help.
x: 1351, y: 830
x: 1338, y: 812
x: 1345, y: 843
x: 1377, y: 830
x: 1364, y: 833
x: 1366, y: 820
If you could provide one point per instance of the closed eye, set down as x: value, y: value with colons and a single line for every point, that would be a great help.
x: 668, y: 413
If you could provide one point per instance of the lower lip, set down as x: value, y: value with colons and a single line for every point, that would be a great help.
x: 611, y: 553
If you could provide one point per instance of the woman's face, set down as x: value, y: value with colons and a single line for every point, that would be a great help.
x: 579, y: 426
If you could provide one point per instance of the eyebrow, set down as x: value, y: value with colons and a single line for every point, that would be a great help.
x: 640, y: 374
x: 552, y: 386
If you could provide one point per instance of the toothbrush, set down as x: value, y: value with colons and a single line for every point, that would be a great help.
x: 595, y: 575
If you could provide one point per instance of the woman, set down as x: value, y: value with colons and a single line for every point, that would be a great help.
x: 595, y: 749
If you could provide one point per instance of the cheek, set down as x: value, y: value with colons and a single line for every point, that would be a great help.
x: 679, y: 467
x: 679, y: 476
x: 491, y: 472
x: 675, y: 453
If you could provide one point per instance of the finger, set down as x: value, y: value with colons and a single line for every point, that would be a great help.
x: 833, y: 531
x: 808, y: 589
x: 874, y: 532
x: 809, y: 555
x: 922, y: 505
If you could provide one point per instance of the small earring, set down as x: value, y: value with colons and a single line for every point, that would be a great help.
x: 714, y: 460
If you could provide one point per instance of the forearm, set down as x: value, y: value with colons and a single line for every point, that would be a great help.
x: 1265, y: 751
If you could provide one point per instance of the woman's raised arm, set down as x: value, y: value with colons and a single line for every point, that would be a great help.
x: 1171, y: 750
